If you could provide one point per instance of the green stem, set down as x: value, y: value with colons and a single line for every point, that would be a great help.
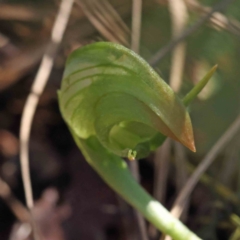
x: 115, y: 173
x: 198, y: 87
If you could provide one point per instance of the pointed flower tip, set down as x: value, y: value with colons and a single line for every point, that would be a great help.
x: 214, y: 68
x: 189, y: 143
x: 194, y: 149
x: 191, y: 146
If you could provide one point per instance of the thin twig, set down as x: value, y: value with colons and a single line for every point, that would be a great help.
x: 134, y: 168
x: 180, y: 159
x: 230, y: 165
x: 179, y: 18
x: 161, y: 170
x: 136, y: 24
x: 18, y: 209
x: 218, y: 187
x: 163, y: 51
x: 181, y: 175
x: 135, y: 44
x: 179, y: 204
x: 161, y: 166
x: 36, y: 91
x: 218, y: 19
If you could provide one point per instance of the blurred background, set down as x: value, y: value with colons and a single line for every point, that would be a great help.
x: 71, y: 201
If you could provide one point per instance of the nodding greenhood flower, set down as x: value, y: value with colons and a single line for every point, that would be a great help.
x: 110, y: 92
x: 116, y: 105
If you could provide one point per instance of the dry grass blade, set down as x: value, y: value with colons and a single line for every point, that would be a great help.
x: 20, y: 12
x: 136, y: 25
x: 206, y: 162
x: 181, y: 165
x: 115, y: 15
x: 106, y: 20
x: 181, y: 175
x: 134, y: 168
x: 163, y: 51
x: 135, y: 44
x: 16, y: 206
x: 161, y: 171
x: 36, y: 90
x: 218, y: 19
x: 179, y: 18
x: 223, y: 191
x: 230, y: 165
x: 161, y: 167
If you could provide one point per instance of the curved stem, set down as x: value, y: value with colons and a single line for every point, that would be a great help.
x: 115, y: 173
